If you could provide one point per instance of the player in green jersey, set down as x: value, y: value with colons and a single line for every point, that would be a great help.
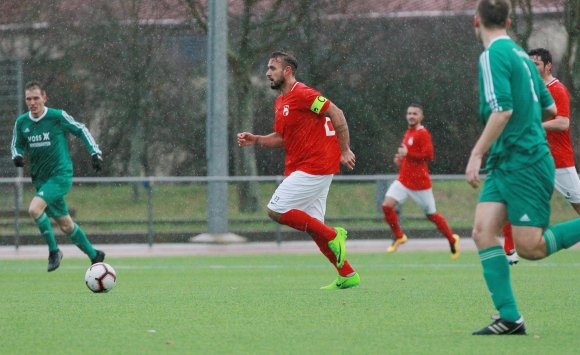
x: 43, y: 133
x: 520, y: 168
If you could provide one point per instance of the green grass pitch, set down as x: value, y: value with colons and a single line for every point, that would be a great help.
x: 408, y: 303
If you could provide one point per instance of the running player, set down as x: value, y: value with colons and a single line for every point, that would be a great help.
x: 43, y: 133
x: 557, y: 129
x: 520, y: 177
x: 314, y: 134
x: 412, y: 157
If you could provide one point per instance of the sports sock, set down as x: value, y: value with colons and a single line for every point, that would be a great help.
x: 79, y: 238
x: 393, y: 221
x: 442, y: 226
x: 562, y: 236
x: 43, y: 223
x: 496, y: 273
x: 508, y: 239
x: 345, y: 270
x: 302, y: 221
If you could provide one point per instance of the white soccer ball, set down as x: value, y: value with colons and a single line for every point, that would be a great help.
x: 101, y: 277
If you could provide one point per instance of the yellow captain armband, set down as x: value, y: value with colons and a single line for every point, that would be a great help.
x: 318, y: 104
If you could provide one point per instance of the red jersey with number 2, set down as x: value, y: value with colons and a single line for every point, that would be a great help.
x: 309, y: 137
x: 414, y: 172
x: 559, y: 142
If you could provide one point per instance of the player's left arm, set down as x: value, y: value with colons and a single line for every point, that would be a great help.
x: 80, y: 130
x: 347, y: 157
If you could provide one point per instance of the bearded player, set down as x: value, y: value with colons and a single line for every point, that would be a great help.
x: 314, y: 133
x: 557, y: 129
x: 412, y: 157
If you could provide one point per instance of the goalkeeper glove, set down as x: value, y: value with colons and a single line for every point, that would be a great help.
x: 97, y: 162
x: 18, y: 161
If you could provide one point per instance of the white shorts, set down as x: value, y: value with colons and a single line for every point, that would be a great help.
x: 423, y: 198
x: 304, y: 192
x: 568, y: 184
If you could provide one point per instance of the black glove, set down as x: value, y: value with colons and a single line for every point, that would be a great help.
x: 18, y: 161
x: 97, y: 162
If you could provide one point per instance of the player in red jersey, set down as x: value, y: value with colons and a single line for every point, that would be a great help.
x: 558, y: 135
x: 314, y: 134
x: 414, y: 181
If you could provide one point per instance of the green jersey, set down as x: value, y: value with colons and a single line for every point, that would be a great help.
x: 509, y: 80
x: 46, y: 140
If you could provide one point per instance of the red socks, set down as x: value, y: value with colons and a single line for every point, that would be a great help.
x: 508, y: 241
x: 320, y: 233
x: 442, y: 225
x: 393, y: 221
x: 302, y: 221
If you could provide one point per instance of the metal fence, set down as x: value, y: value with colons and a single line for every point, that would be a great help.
x: 14, y: 213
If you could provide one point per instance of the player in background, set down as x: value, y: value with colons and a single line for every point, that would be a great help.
x: 314, y: 134
x: 557, y: 129
x: 520, y: 168
x: 43, y: 133
x: 412, y: 157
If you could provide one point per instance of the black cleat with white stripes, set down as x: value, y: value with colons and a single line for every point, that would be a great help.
x: 503, y: 327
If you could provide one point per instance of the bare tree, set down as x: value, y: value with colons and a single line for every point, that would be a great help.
x: 522, y: 21
x: 258, y: 28
x: 570, y: 66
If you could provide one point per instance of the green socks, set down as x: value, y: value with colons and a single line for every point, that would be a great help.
x: 496, y: 273
x: 43, y: 223
x: 79, y: 238
x: 562, y: 236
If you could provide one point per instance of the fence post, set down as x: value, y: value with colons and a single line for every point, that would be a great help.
x: 149, y: 186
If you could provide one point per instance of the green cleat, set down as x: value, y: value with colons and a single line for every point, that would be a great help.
x: 338, y: 246
x: 342, y: 283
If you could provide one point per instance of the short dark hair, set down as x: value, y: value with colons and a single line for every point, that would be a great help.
x: 494, y: 13
x: 543, y: 53
x: 419, y: 106
x: 34, y: 85
x: 286, y: 58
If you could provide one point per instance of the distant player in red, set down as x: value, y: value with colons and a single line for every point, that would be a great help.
x: 558, y: 135
x: 414, y: 181
x: 314, y: 134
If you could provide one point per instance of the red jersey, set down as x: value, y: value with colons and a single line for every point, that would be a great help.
x: 559, y: 142
x: 309, y: 137
x: 414, y: 172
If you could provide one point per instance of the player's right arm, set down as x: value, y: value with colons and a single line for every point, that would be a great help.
x: 493, y: 128
x: 558, y: 124
x: 272, y: 140
x: 17, y: 146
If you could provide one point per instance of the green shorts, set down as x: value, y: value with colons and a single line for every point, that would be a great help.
x: 526, y: 192
x: 53, y: 192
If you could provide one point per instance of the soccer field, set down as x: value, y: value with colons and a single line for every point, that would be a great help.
x: 408, y: 303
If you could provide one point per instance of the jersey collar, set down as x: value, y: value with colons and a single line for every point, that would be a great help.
x: 293, y: 86
x: 36, y: 119
x: 552, y: 82
x: 497, y: 39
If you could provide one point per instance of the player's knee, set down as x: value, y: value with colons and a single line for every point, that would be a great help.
x: 34, y: 212
x: 67, y: 226
x: 478, y: 234
x: 275, y: 216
